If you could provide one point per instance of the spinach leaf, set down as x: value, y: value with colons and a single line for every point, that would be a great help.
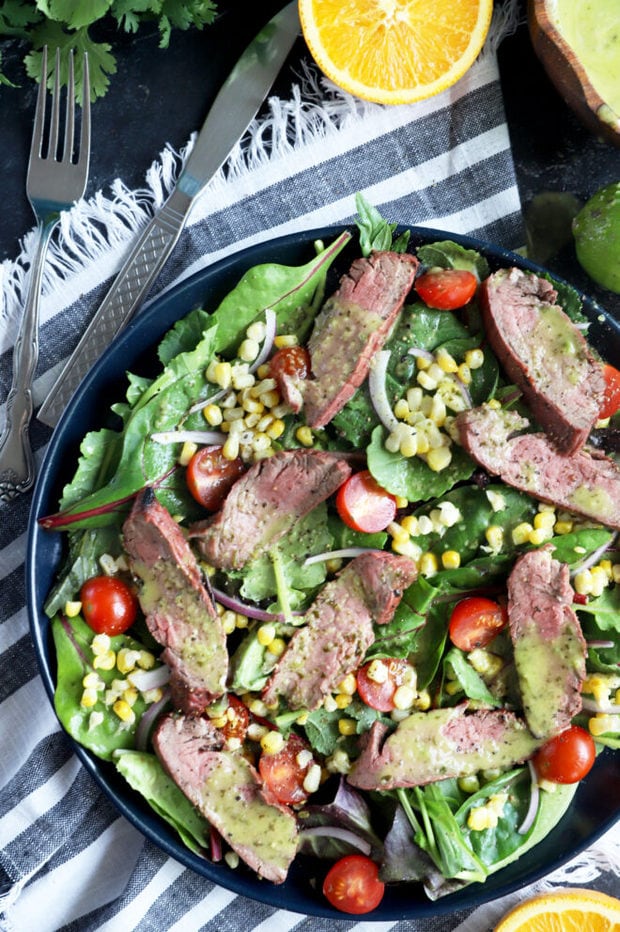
x: 85, y: 548
x: 73, y: 643
x: 450, y: 255
x: 146, y: 776
x: 375, y: 232
x: 457, y: 668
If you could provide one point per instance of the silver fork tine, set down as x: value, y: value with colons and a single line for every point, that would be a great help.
x: 67, y: 153
x: 85, y: 131
x: 53, y: 183
x: 52, y: 148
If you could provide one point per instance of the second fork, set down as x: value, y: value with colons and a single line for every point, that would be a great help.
x: 53, y: 184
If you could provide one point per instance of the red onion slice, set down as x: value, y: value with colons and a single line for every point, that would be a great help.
x: 270, y: 335
x: 378, y: 393
x: 606, y: 708
x: 342, y: 834
x: 148, y: 719
x: 530, y: 815
x: 250, y: 611
x: 346, y: 553
x: 150, y: 679
x: 208, y: 437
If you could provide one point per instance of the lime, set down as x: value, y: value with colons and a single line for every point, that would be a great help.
x: 596, y: 229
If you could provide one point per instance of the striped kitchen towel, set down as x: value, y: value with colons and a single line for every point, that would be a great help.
x: 68, y: 859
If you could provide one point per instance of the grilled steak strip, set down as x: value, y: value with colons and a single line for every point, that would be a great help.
x: 226, y: 789
x: 351, y: 327
x: 586, y: 483
x: 549, y: 647
x: 179, y: 611
x: 265, y: 503
x: 545, y: 354
x: 442, y: 743
x: 338, y: 628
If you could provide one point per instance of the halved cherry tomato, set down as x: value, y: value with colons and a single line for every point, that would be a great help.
x: 290, y: 362
x: 380, y: 696
x: 611, y: 398
x: 283, y: 774
x: 237, y: 719
x: 475, y: 621
x: 364, y: 505
x: 352, y: 885
x: 210, y: 475
x: 567, y: 757
x: 446, y: 289
x: 109, y: 606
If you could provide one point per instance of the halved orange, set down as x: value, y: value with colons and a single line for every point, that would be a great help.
x: 395, y: 51
x: 574, y: 910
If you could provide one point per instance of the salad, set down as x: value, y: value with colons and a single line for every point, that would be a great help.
x: 342, y: 582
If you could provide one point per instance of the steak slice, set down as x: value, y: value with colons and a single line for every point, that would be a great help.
x: 338, y: 628
x: 442, y: 743
x: 226, y: 789
x: 549, y: 647
x: 351, y: 327
x: 265, y: 503
x: 179, y: 611
x: 545, y: 354
x: 586, y: 483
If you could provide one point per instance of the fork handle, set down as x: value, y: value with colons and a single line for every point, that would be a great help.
x: 17, y: 470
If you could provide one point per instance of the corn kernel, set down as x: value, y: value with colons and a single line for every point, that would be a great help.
x: 377, y: 671
x: 155, y: 694
x: 539, y: 535
x: 265, y: 634
x: 484, y: 662
x: 426, y: 380
x: 407, y: 548
x: 401, y: 409
x: 339, y: 762
x: 222, y: 374
x: 453, y: 687
x: 146, y: 660
x: 464, y: 373
x: 100, y: 644
x: 600, y: 580
x: 230, y: 450
x: 582, y: 582
x: 423, y: 700
x: 445, y: 360
x: 397, y: 532
x: 474, y: 358
x: 544, y: 520
x: 304, y: 435
x: 277, y: 647
x: 249, y: 349
x: 401, y: 501
x: 439, y: 458
x: 603, y: 724
x: 89, y: 698
x: 272, y: 742
x: 606, y: 566
x: 95, y: 719
x: 258, y: 707
x: 124, y: 711
x: 348, y: 685
x: 615, y: 572
x: 410, y: 524
x: 428, y: 564
x: 276, y: 429
x: 285, y: 339
x: 494, y: 535
x: 414, y: 398
x: 451, y: 559
x: 403, y: 697
x: 105, y: 661
x: 92, y: 680
x: 423, y: 362
x: 131, y: 696
x: 521, y: 533
x: 72, y: 609
x: 438, y: 412
x: 312, y: 780
x: 347, y: 726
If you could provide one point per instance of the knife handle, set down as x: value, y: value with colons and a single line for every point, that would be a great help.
x: 124, y: 297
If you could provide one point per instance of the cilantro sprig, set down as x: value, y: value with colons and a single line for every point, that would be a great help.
x: 67, y: 24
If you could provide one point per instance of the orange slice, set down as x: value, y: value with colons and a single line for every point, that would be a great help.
x: 574, y: 910
x: 395, y: 51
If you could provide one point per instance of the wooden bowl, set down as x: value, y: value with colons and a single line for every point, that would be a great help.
x: 567, y: 72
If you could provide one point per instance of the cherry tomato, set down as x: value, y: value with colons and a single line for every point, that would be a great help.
x: 237, y: 719
x: 611, y: 398
x: 210, y: 475
x: 475, y: 621
x: 446, y: 289
x: 352, y: 885
x: 282, y: 773
x: 109, y: 606
x: 380, y: 696
x: 364, y: 505
x: 290, y: 362
x: 567, y: 757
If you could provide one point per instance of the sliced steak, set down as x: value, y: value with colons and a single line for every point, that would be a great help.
x: 265, y: 503
x: 549, y: 647
x: 442, y: 743
x: 179, y: 611
x: 338, y: 628
x: 545, y: 354
x: 586, y: 483
x: 226, y: 789
x: 351, y: 327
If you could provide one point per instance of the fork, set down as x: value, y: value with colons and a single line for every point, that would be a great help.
x: 53, y: 184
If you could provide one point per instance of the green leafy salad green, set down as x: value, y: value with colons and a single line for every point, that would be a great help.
x: 73, y: 25
x: 463, y: 531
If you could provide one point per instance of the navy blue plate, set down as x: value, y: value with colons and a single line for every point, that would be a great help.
x: 595, y: 808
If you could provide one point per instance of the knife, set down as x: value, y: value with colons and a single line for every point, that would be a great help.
x: 231, y: 113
